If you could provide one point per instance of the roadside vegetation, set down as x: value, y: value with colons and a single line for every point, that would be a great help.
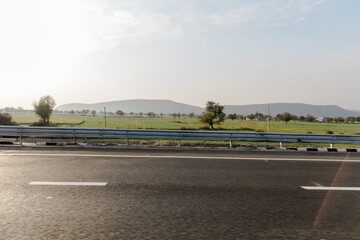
x: 186, y: 123
x: 213, y: 118
x: 6, y: 119
x: 43, y: 109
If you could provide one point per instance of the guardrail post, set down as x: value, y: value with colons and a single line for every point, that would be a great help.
x: 281, y: 145
x: 179, y: 143
x: 331, y: 145
x: 21, y: 141
x: 230, y: 144
x: 127, y: 141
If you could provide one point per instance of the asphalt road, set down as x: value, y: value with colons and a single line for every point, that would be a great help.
x: 177, y: 194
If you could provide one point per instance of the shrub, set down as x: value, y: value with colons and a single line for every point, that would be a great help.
x: 6, y: 119
x: 41, y: 123
x: 187, y: 128
x: 246, y: 129
x: 329, y: 132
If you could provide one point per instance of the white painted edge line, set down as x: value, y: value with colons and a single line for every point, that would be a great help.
x: 69, y: 183
x: 180, y: 157
x: 331, y: 188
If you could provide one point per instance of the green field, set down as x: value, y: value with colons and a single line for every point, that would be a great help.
x: 190, y: 124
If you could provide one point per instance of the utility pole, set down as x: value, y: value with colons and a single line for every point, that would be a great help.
x: 268, y: 119
x: 105, y: 115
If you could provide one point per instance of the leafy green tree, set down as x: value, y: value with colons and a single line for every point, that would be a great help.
x: 151, y: 114
x: 72, y: 112
x: 259, y: 116
x: 301, y: 118
x: 309, y: 118
x: 84, y: 112
x: 93, y: 112
x: 286, y: 117
x: 358, y: 119
x: 6, y: 119
x: 44, y: 109
x: 329, y: 119
x: 339, y: 119
x: 120, y: 113
x: 351, y: 119
x: 213, y: 114
x: 191, y: 115
x: 251, y: 116
x: 232, y: 116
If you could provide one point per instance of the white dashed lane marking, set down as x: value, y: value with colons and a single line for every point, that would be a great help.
x: 69, y: 183
x: 331, y: 188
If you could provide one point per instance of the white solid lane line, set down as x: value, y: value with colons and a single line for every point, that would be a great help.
x: 331, y: 188
x: 179, y: 157
x: 69, y: 183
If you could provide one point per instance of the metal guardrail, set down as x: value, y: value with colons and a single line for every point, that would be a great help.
x: 54, y: 132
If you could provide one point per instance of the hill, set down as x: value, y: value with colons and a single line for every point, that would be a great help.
x: 136, y: 105
x: 168, y: 106
x: 298, y: 109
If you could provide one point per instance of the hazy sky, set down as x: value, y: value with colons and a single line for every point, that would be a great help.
x: 191, y: 51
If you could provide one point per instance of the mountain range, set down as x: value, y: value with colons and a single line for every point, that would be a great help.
x: 168, y: 107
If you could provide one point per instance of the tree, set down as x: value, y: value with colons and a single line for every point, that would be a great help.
x: 301, y: 118
x: 44, y: 109
x: 84, y: 112
x: 191, y: 115
x: 6, y: 119
x: 259, y: 116
x: 151, y: 114
x: 286, y: 117
x: 93, y: 112
x: 232, y: 116
x: 329, y: 119
x: 120, y: 113
x: 339, y: 119
x: 309, y: 118
x: 351, y: 119
x: 213, y: 114
x: 251, y: 116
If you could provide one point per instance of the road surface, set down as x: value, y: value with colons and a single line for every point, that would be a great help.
x: 50, y: 193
